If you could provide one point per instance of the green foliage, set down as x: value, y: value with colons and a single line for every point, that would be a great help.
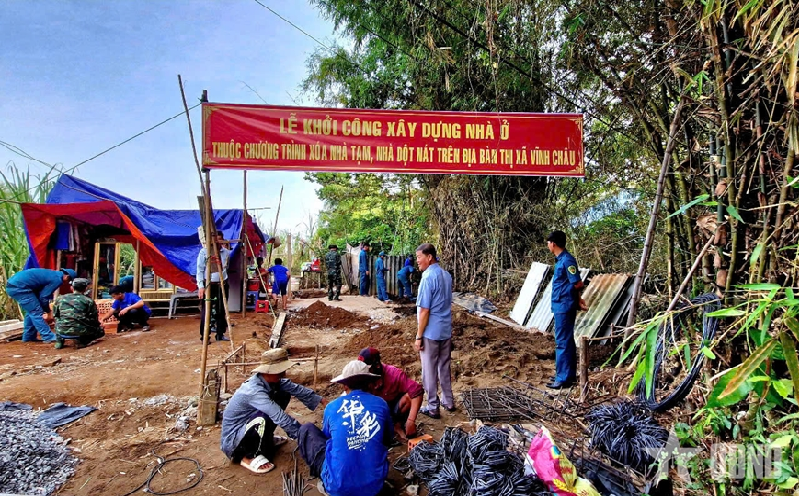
x: 380, y: 208
x: 17, y: 187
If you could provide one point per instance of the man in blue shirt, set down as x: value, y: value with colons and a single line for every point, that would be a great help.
x: 404, y: 279
x: 213, y: 291
x: 282, y: 278
x: 380, y: 273
x: 350, y: 453
x: 257, y: 408
x: 33, y: 289
x: 363, y: 268
x: 434, y: 330
x: 566, y: 288
x: 126, y: 283
x: 129, y: 309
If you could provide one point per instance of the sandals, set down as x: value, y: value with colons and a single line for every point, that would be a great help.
x: 259, y: 465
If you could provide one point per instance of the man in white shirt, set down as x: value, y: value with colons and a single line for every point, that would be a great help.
x: 212, y: 291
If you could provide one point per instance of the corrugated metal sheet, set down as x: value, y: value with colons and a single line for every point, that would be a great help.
x: 542, y: 316
x: 530, y: 288
x: 618, y: 315
x: 600, y: 296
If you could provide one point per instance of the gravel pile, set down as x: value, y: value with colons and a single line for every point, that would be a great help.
x: 34, y: 459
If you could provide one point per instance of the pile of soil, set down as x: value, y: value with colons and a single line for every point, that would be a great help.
x: 480, y: 348
x: 320, y: 316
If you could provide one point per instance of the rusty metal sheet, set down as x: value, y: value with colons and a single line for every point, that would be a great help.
x: 542, y: 315
x: 601, y: 296
x: 530, y: 288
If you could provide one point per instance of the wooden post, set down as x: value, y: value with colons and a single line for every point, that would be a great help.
x: 207, y: 221
x: 288, y: 290
x: 583, y: 369
x: 57, y: 292
x: 316, y: 365
x: 244, y: 253
x: 137, y: 270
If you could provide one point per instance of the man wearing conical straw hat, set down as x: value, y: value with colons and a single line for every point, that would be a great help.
x: 257, y: 408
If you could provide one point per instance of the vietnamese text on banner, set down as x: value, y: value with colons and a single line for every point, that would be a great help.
x: 420, y: 142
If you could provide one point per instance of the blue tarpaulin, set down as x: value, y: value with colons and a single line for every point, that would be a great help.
x: 168, y: 234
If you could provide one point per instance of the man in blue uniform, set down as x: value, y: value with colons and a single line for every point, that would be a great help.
x: 363, y: 268
x: 566, y: 288
x: 404, y: 279
x: 380, y: 274
x: 33, y: 289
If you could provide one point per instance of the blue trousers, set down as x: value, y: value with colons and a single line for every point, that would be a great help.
x: 565, y: 348
x: 34, y: 320
x: 405, y: 287
x: 364, y: 284
x: 382, y: 294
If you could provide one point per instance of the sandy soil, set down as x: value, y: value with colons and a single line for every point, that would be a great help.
x: 142, y: 382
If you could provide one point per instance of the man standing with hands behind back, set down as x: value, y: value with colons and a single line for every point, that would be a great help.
x: 566, y: 288
x: 434, y: 330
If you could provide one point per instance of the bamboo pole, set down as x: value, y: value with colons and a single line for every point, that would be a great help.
x: 244, y: 253
x: 650, y: 231
x: 205, y: 186
x: 583, y: 369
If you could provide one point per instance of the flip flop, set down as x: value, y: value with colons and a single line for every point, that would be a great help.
x: 278, y: 441
x: 259, y: 465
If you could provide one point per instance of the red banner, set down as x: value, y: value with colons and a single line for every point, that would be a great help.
x: 397, y: 141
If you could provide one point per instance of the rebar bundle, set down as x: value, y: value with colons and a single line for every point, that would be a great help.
x: 625, y: 431
x: 293, y: 483
x: 465, y: 465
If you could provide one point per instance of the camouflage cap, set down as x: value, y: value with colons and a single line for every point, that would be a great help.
x: 80, y: 284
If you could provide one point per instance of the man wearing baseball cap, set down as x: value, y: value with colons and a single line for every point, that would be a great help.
x: 403, y: 395
x: 350, y: 453
x: 33, y: 289
x: 257, y: 408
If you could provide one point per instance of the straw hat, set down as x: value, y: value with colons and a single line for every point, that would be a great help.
x: 354, y: 370
x: 274, y: 362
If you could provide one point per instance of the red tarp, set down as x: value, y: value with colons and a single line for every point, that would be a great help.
x: 41, y: 223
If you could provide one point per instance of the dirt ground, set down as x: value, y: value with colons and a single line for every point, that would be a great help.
x: 142, y: 383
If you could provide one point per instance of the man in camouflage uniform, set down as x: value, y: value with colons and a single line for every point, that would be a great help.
x: 76, y: 316
x: 333, y: 263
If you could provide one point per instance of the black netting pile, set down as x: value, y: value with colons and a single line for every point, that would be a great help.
x: 626, y: 431
x: 465, y: 465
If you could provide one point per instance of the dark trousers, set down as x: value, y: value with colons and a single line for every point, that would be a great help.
x: 565, y: 348
x: 333, y: 281
x: 259, y: 438
x: 218, y: 310
x: 313, y: 447
x: 137, y: 316
x: 364, y: 284
x: 405, y: 287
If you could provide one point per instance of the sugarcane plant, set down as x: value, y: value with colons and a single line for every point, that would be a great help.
x: 18, y: 186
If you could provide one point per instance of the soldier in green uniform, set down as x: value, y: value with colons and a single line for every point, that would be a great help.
x: 333, y: 263
x: 76, y: 316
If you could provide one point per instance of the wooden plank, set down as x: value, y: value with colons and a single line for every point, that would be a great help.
x: 13, y: 326
x: 277, y: 331
x: 502, y: 321
x: 11, y: 335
